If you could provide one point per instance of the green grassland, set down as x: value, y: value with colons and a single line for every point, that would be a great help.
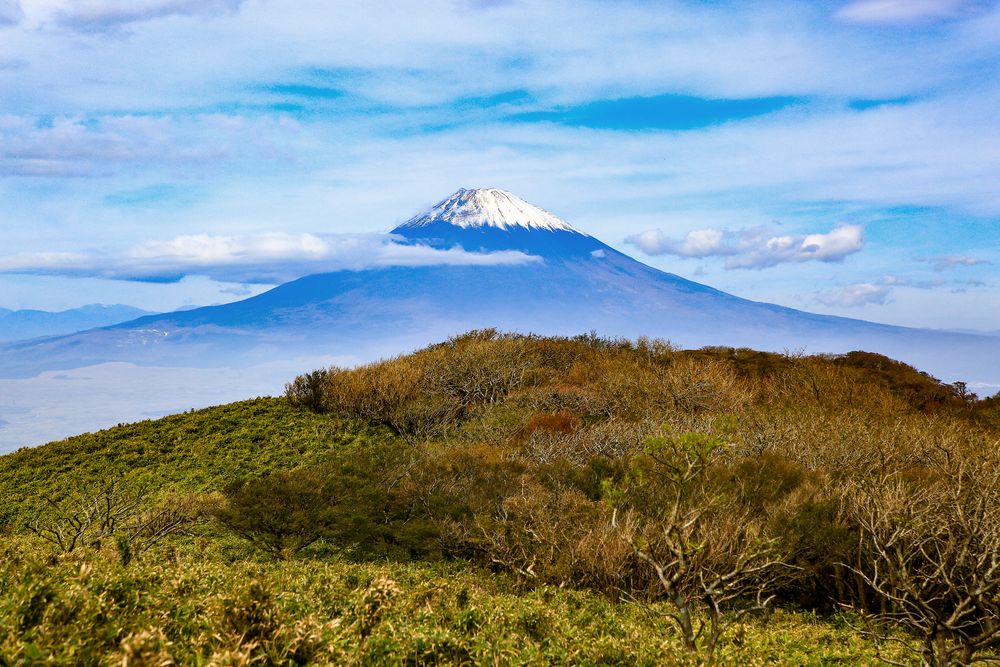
x: 198, y: 451
x: 505, y: 500
x: 193, y: 607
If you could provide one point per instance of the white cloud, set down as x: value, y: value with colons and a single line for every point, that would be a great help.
x: 903, y: 11
x: 755, y: 248
x: 98, y: 15
x: 945, y: 262
x: 856, y: 295
x: 697, y: 243
x: 864, y: 293
x: 10, y: 12
x: 418, y: 53
x: 272, y: 257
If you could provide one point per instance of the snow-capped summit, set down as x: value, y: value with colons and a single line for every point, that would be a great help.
x: 489, y: 220
x: 488, y: 207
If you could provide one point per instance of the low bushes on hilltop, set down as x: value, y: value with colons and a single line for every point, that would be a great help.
x: 695, y: 490
x: 524, y: 448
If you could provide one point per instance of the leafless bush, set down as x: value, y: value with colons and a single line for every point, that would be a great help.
x: 612, y: 438
x: 115, y: 510
x: 931, y: 554
x: 556, y: 536
x: 574, y: 399
x: 375, y: 391
x: 478, y: 367
x: 710, y: 557
x: 697, y: 386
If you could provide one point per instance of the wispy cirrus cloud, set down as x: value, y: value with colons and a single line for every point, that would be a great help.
x: 101, y: 15
x: 262, y: 258
x: 902, y: 281
x: 100, y: 146
x: 754, y: 248
x: 946, y: 262
x: 889, y: 12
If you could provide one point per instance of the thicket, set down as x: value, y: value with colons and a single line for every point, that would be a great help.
x: 702, y: 489
x: 718, y: 479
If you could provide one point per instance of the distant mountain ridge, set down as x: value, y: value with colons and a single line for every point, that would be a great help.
x: 21, y: 324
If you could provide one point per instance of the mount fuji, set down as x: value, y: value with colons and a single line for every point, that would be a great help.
x: 568, y: 282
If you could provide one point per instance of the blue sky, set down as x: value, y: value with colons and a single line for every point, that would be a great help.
x: 838, y: 156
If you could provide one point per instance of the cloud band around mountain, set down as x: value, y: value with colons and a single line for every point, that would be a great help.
x: 262, y: 258
x: 753, y: 248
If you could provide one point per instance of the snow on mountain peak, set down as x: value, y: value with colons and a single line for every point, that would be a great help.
x: 488, y: 207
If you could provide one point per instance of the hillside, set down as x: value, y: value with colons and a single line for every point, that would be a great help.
x: 508, y: 499
x: 198, y: 451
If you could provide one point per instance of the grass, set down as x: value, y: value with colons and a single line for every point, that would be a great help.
x: 198, y: 451
x: 200, y: 606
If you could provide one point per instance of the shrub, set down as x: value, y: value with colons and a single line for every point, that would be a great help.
x: 308, y: 391
x: 281, y: 513
x: 931, y: 554
x: 708, y: 552
x: 117, y: 511
x: 478, y: 368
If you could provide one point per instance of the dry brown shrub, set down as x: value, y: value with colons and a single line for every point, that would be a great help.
x: 544, y: 447
x: 560, y: 422
x: 557, y: 354
x: 564, y: 397
x: 651, y: 386
x: 930, y: 554
x: 605, y: 562
x: 858, y: 442
x: 478, y: 368
x: 555, y: 536
x: 613, y: 439
x: 630, y: 386
x: 374, y: 390
x: 695, y: 385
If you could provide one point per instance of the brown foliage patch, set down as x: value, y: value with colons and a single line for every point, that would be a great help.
x: 561, y: 422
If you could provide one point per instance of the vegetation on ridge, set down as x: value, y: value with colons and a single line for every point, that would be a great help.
x: 503, y: 498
